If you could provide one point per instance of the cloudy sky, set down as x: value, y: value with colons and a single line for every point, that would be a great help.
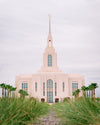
x: 75, y: 31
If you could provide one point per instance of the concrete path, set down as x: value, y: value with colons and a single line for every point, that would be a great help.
x: 50, y: 119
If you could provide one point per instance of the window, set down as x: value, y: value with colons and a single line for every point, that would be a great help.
x: 43, y: 89
x: 55, y: 89
x: 43, y: 93
x: 25, y: 86
x: 49, y: 60
x: 49, y: 43
x: 36, y: 87
x: 50, y: 91
x: 74, y: 87
x: 55, y: 93
x: 63, y: 85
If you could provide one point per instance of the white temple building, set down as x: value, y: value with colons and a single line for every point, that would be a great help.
x: 49, y: 84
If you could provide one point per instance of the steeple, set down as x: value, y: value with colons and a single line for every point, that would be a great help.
x: 49, y: 24
x: 49, y: 40
x: 49, y: 55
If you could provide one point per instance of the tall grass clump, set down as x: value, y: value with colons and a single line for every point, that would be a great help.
x: 82, y: 111
x: 19, y: 111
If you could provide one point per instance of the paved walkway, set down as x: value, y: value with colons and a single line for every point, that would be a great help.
x: 50, y: 119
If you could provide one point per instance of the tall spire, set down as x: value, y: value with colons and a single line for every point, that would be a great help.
x: 49, y: 24
x: 49, y: 40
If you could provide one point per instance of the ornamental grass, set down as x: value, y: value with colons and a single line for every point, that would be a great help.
x: 20, y: 111
x: 81, y: 111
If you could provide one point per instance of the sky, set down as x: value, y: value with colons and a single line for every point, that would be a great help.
x: 75, y: 27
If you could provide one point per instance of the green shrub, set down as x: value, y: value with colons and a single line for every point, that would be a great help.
x: 66, y: 99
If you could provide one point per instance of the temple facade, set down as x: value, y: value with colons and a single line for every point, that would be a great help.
x: 49, y: 84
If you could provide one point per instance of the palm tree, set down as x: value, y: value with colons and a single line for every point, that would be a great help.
x: 76, y: 93
x: 87, y: 88
x: 83, y: 88
x: 13, y: 89
x: 23, y: 93
x: 90, y: 88
x: 8, y: 89
x: 94, y: 87
x: 3, y: 87
x: 5, y: 90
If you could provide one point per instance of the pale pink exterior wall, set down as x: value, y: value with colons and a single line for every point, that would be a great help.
x: 41, y: 78
x: 53, y: 73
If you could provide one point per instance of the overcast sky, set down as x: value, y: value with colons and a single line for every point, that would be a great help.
x: 75, y: 30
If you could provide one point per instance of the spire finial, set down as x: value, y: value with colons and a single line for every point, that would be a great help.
x: 49, y: 24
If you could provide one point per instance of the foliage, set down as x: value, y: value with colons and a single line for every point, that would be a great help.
x: 98, y: 98
x: 66, y: 99
x: 6, y: 90
x: 82, y: 111
x: 19, y: 111
x: 76, y: 93
x: 89, y: 91
x: 23, y: 93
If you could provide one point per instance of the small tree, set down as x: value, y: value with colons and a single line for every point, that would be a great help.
x: 8, y: 89
x: 23, y: 93
x: 83, y: 88
x: 90, y: 88
x: 76, y: 93
x: 94, y: 87
x: 3, y: 87
x: 87, y: 89
x: 13, y: 90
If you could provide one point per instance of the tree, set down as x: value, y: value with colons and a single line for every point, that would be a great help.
x: 5, y: 90
x: 90, y: 88
x: 3, y: 87
x: 76, y: 93
x: 83, y: 88
x: 13, y: 90
x: 87, y: 89
x: 94, y: 85
x: 8, y: 89
x: 23, y: 93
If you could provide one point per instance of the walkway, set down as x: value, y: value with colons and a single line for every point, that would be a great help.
x: 49, y: 119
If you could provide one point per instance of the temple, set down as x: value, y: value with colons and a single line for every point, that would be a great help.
x: 49, y: 84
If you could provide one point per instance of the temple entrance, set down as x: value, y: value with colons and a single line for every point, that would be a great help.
x: 49, y: 91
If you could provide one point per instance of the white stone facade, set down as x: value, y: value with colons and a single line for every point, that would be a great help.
x: 49, y: 84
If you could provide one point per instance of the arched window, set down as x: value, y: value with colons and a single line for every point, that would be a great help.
x: 50, y: 91
x: 43, y: 89
x: 55, y: 89
x: 49, y: 43
x: 35, y: 86
x: 63, y: 85
x: 49, y: 60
